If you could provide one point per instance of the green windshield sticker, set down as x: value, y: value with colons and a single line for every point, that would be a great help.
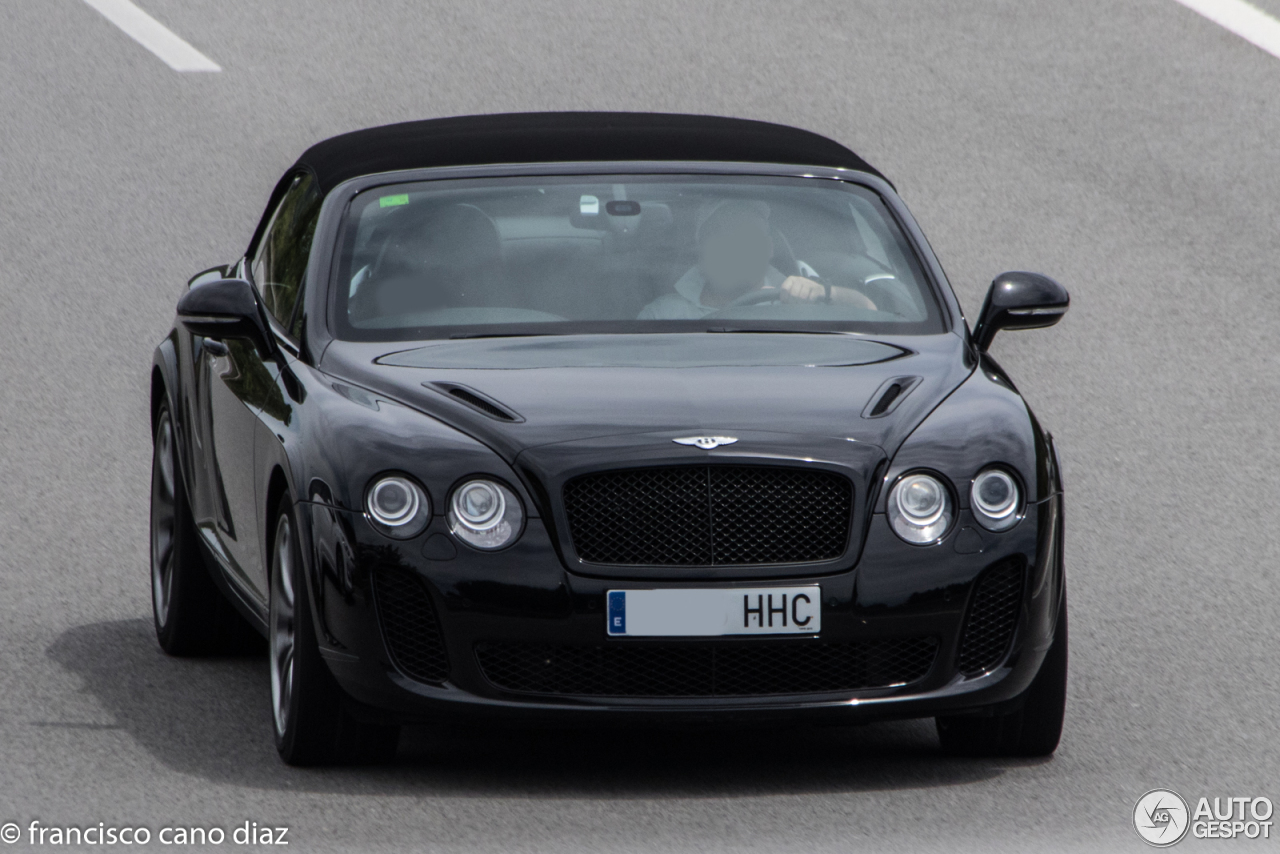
x: 391, y: 201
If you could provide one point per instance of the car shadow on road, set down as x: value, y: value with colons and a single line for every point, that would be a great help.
x: 210, y: 718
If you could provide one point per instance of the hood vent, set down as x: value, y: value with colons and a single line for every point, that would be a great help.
x: 889, y: 395
x: 476, y: 400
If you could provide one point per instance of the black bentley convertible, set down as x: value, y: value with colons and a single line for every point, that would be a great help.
x: 617, y: 416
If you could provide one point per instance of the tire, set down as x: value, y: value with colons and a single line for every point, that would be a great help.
x: 309, y: 719
x: 191, y: 615
x: 1034, y: 729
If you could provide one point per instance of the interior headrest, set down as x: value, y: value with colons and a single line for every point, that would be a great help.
x: 455, y: 235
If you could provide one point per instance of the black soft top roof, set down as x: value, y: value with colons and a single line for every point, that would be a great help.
x: 568, y: 137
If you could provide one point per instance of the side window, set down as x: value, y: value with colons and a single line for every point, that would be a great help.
x: 281, y: 260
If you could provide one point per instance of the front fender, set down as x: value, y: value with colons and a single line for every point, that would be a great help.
x: 166, y: 387
x: 323, y: 440
x: 983, y: 422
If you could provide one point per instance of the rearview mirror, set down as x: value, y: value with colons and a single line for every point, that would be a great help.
x: 224, y: 308
x: 1019, y: 301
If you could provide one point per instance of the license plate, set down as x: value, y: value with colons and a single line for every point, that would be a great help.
x: 720, y: 611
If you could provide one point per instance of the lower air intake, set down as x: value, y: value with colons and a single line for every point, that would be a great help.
x: 410, y: 627
x: 705, y: 670
x: 993, y: 616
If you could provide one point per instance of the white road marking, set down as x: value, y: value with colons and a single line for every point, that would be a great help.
x: 1244, y: 19
x: 154, y: 36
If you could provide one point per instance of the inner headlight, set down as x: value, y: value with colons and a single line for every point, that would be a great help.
x: 397, y: 506
x: 920, y: 509
x: 995, y: 499
x: 485, y: 514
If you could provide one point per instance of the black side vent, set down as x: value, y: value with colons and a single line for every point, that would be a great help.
x: 477, y: 401
x: 992, y: 618
x: 889, y: 395
x: 409, y: 626
x: 483, y: 405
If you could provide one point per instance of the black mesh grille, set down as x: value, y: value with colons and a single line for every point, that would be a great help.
x: 410, y: 627
x: 993, y: 615
x: 705, y: 670
x: 709, y: 515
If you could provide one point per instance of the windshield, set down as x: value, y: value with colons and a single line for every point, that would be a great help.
x: 573, y: 255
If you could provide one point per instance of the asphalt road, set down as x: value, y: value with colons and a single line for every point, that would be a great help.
x: 1127, y: 149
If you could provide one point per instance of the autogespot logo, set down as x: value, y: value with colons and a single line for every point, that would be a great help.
x: 1161, y: 818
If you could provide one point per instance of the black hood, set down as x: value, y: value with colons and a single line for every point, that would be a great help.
x: 516, y: 394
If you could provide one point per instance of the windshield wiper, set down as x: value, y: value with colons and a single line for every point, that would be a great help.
x: 458, y: 335
x: 737, y: 329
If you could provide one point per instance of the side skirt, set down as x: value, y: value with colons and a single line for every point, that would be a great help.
x: 223, y: 576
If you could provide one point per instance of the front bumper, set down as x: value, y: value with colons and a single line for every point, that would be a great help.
x: 524, y: 597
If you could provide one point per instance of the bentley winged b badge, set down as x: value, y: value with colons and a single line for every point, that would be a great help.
x: 706, y: 443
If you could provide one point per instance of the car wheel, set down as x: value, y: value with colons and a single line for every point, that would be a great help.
x: 181, y: 604
x: 1034, y: 729
x: 312, y: 726
x: 191, y: 616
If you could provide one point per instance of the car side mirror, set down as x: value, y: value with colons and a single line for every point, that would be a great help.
x: 1019, y: 301
x: 210, y: 275
x: 224, y: 308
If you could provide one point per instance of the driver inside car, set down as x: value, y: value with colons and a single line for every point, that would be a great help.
x: 735, y: 248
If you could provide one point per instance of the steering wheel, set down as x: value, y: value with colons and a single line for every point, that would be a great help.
x: 757, y: 297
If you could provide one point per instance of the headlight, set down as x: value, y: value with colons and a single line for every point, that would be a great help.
x: 995, y: 499
x: 397, y: 506
x: 485, y: 514
x: 920, y: 509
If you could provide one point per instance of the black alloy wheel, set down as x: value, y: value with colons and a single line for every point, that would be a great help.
x: 309, y: 715
x: 191, y: 616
